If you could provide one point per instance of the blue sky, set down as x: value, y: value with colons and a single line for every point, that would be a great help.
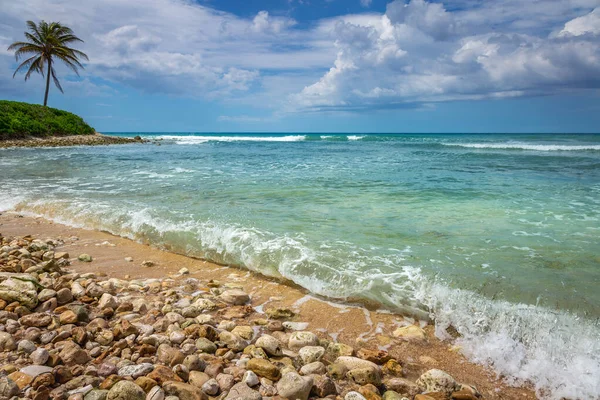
x: 322, y: 65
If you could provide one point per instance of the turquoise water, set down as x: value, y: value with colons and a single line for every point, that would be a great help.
x: 496, y: 235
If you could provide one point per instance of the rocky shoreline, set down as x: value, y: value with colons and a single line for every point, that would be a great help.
x: 62, y: 141
x: 66, y: 335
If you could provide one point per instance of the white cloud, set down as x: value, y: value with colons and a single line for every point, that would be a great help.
x: 419, y: 52
x: 366, y: 3
x: 589, y: 23
x: 416, y: 53
x: 173, y: 46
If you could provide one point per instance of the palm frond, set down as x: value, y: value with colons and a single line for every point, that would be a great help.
x: 24, y: 64
x: 56, y: 82
x: 36, y: 66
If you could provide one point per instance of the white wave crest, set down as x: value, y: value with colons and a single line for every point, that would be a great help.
x: 196, y: 139
x: 525, y: 146
x: 355, y: 137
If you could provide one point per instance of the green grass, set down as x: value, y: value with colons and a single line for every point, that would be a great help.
x: 19, y: 120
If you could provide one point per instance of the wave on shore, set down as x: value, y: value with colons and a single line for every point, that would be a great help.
x: 525, y: 146
x: 557, y: 351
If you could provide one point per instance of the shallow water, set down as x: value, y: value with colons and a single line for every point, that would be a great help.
x: 496, y: 235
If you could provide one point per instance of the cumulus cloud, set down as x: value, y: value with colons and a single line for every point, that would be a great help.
x: 176, y: 47
x: 416, y: 53
x: 419, y: 52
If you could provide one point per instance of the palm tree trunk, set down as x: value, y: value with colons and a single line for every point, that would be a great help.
x: 47, y: 82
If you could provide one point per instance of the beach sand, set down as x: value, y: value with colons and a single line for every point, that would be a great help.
x: 354, y: 324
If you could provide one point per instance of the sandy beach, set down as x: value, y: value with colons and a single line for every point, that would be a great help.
x: 353, y: 324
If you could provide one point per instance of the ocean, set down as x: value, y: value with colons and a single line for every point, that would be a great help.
x: 496, y: 236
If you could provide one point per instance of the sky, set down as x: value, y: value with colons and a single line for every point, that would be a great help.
x: 321, y: 65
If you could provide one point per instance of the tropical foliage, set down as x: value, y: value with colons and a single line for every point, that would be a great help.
x: 19, y: 120
x: 46, y: 44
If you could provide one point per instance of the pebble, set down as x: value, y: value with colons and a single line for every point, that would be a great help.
x: 158, y: 339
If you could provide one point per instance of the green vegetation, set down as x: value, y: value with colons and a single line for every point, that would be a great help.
x: 47, y: 43
x: 18, y: 120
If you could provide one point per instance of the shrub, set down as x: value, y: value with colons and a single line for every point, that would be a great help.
x: 18, y: 120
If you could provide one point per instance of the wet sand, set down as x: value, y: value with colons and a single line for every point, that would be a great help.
x: 352, y: 324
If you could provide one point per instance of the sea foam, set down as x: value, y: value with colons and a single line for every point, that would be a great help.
x: 198, y: 139
x: 525, y: 146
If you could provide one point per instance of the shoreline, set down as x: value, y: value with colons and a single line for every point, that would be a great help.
x: 359, y: 326
x: 96, y: 139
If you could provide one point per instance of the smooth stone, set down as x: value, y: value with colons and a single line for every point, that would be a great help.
x: 126, y: 390
x: 354, y: 396
x: 302, y: 339
x: 136, y: 371
x: 35, y: 370
x: 184, y: 391
x: 250, y: 379
x: 198, y: 378
x: 7, y: 342
x: 211, y: 387
x: 235, y: 296
x: 436, y: 380
x: 85, y: 258
x: 263, y: 368
x: 243, y: 391
x: 108, y: 300
x: 8, y: 388
x: 96, y: 394
x: 39, y: 356
x: 270, y: 345
x: 26, y: 346
x: 309, y: 354
x: 293, y: 386
x: 364, y: 376
x: 156, y: 393
x: 316, y: 367
x: 411, y: 332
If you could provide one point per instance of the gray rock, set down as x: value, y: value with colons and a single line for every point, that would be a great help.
x: 137, y: 370
x: 211, y: 387
x: 39, y: 356
x: 46, y: 294
x: 241, y: 391
x: 64, y: 296
x: 7, y: 343
x: 293, y: 386
x: 35, y: 370
x: 250, y: 379
x: 156, y: 393
x: 26, y: 346
x: 354, y: 396
x: 126, y: 390
x: 8, y: 388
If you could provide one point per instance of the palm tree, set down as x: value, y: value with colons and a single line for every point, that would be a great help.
x: 47, y: 42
